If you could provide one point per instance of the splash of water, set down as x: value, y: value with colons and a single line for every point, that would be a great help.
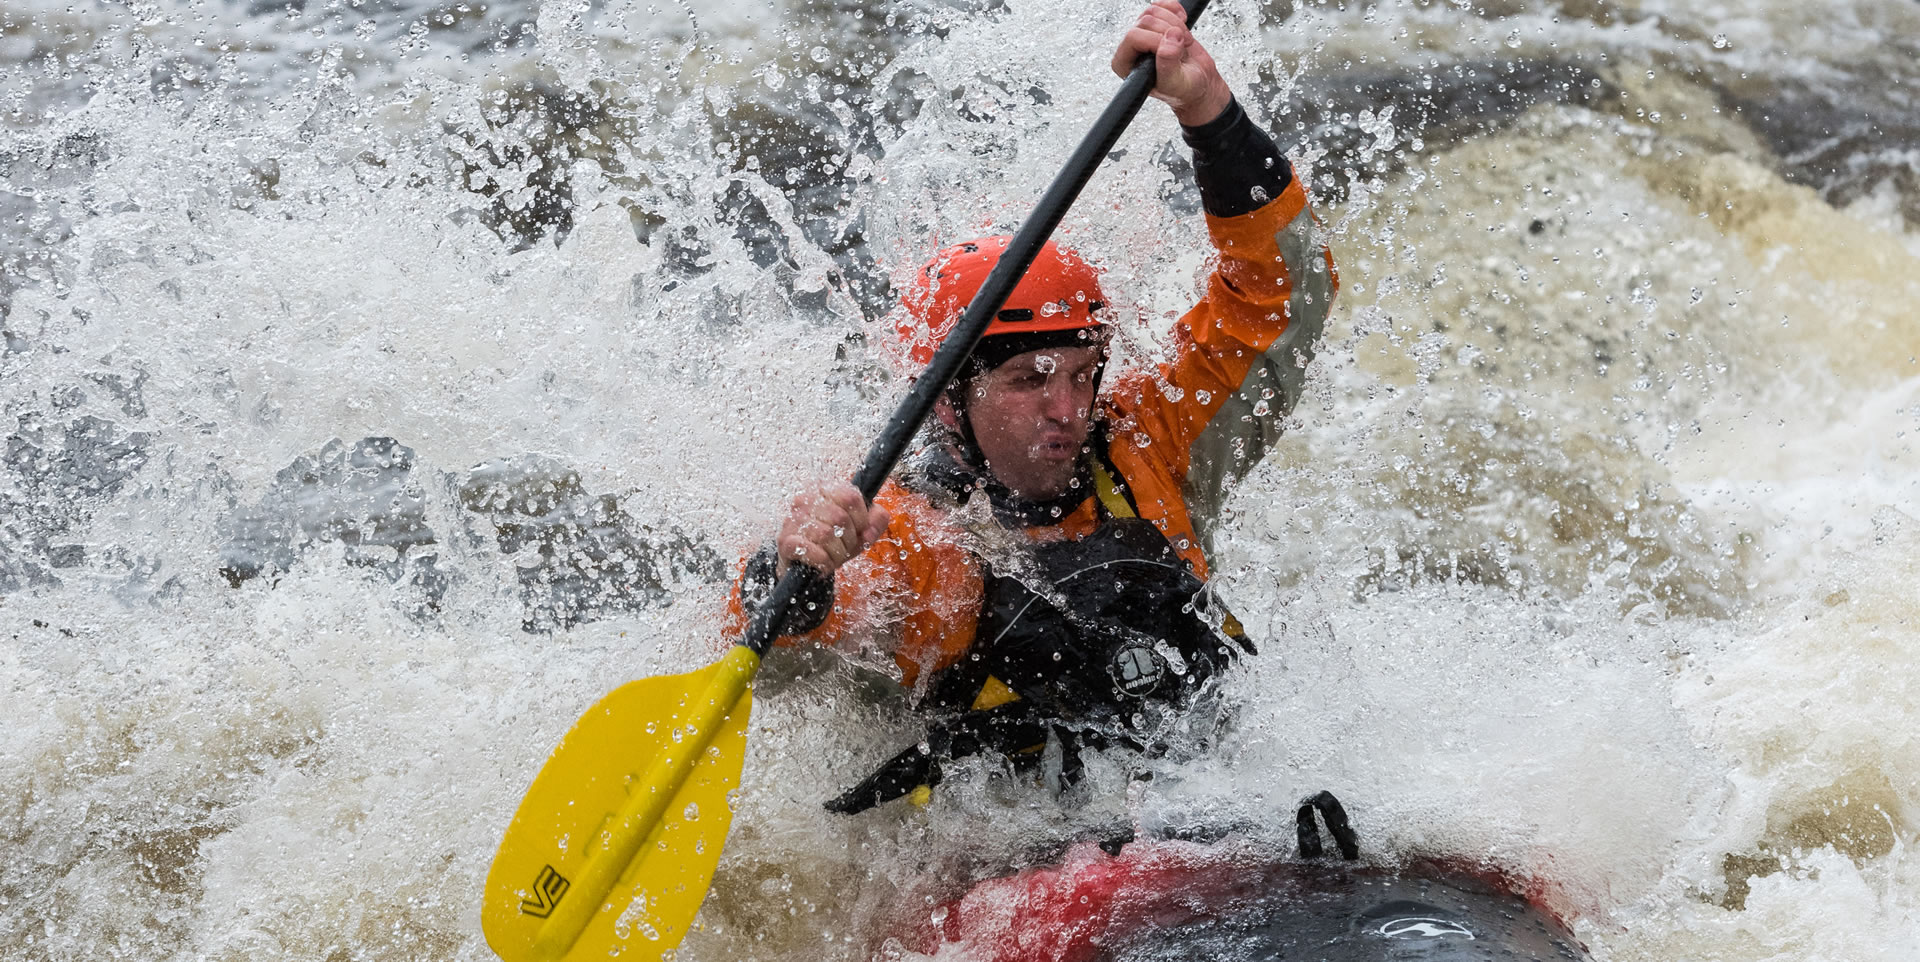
x: 377, y: 381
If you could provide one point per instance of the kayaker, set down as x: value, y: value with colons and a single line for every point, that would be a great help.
x: 1040, y: 566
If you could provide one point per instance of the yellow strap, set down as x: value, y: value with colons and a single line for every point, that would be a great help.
x: 993, y: 694
x: 1110, y: 496
x: 1232, y: 627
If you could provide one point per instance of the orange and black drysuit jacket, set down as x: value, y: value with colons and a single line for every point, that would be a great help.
x: 955, y: 581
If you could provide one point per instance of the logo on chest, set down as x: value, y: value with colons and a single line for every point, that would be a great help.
x: 1137, y: 669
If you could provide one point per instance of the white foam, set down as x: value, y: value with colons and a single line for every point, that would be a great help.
x: 1605, y: 624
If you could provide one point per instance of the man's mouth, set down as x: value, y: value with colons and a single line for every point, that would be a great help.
x: 1062, y: 448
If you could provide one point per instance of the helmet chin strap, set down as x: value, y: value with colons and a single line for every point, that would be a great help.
x: 970, y: 454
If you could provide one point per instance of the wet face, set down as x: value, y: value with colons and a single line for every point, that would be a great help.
x: 1032, y: 415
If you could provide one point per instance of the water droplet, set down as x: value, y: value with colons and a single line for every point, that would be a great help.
x: 1720, y: 41
x: 692, y: 814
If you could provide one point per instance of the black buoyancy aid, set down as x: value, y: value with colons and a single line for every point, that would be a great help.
x: 1076, y: 641
x: 1090, y: 629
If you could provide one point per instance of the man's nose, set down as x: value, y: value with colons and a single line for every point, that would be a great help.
x: 1057, y: 401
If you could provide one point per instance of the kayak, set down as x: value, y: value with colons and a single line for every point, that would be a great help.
x: 1236, y: 900
x: 1173, y: 901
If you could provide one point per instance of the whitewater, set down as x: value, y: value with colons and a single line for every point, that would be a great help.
x: 384, y: 381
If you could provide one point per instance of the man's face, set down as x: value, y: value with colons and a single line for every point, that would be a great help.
x: 1031, y: 416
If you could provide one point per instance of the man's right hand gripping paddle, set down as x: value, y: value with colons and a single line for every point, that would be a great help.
x: 612, y: 850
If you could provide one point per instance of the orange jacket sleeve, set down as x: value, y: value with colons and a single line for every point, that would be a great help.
x: 1240, y: 357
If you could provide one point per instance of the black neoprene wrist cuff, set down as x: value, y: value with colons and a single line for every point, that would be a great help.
x: 810, y: 604
x: 1238, y: 167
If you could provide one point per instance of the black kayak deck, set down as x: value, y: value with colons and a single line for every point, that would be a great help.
x: 1337, y: 914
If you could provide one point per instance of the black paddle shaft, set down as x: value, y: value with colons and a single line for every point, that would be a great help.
x: 1006, y: 274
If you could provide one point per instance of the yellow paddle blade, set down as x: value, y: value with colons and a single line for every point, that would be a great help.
x: 613, y: 848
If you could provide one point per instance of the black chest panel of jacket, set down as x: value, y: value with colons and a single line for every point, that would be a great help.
x: 1090, y: 628
x: 1088, y: 635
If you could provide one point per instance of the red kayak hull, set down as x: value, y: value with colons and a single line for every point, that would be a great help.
x: 1230, y: 900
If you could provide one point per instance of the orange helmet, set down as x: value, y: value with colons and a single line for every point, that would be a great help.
x: 1059, y: 295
